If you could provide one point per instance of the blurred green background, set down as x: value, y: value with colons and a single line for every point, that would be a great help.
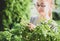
x: 56, y: 11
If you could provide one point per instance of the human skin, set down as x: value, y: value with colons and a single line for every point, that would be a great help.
x: 44, y: 7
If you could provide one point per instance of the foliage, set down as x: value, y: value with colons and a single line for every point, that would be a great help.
x: 16, y: 12
x: 22, y: 33
x: 15, y: 22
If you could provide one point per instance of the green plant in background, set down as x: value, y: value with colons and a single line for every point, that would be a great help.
x: 56, y: 11
x: 16, y: 12
x: 15, y: 21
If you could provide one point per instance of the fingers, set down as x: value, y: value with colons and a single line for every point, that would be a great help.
x: 31, y: 26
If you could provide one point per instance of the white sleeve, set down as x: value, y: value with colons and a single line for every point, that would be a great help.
x: 33, y: 20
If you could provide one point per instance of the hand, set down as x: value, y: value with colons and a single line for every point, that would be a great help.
x: 31, y: 26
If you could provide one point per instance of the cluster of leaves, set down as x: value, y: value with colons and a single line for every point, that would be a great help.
x: 16, y: 12
x: 22, y: 33
x: 15, y: 19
